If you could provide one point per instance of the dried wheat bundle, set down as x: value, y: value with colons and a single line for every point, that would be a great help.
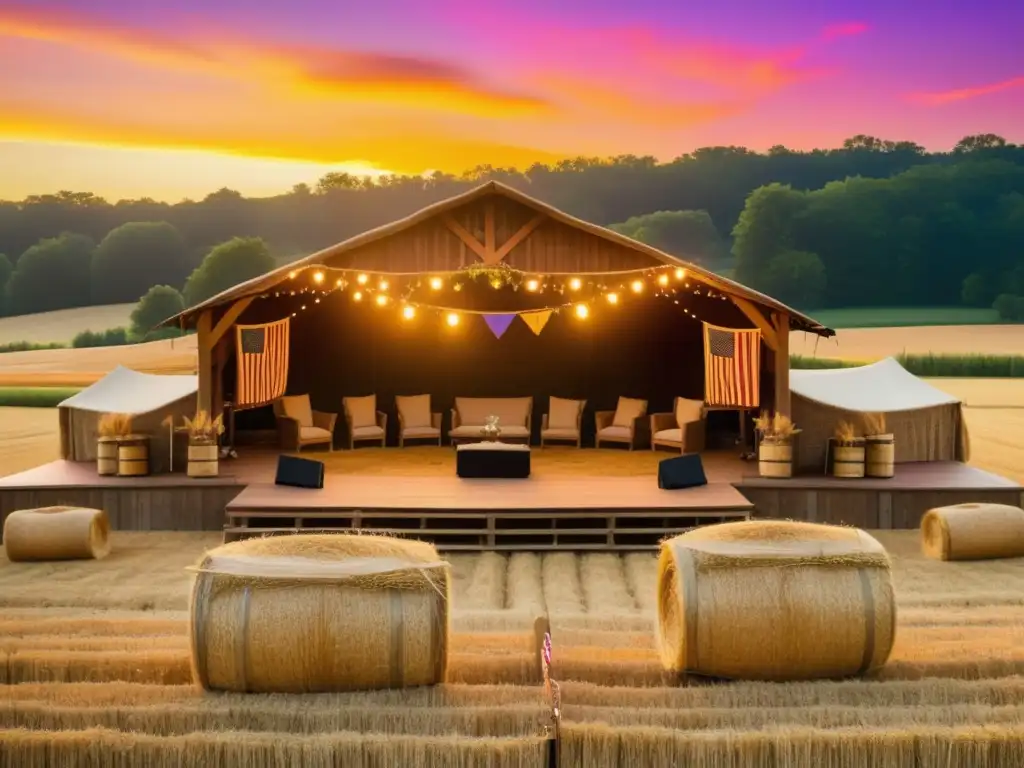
x: 846, y: 434
x: 204, y: 430
x: 874, y: 424
x: 973, y: 532
x: 56, y: 533
x: 775, y: 428
x: 774, y: 600
x: 114, y: 425
x: 308, y: 613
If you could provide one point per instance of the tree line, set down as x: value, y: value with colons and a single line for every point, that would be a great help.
x: 797, y: 223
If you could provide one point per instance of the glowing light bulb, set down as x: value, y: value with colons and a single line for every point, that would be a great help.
x: 680, y: 273
x: 436, y: 283
x: 408, y: 312
x: 339, y: 282
x: 582, y: 311
x: 318, y: 277
x: 452, y: 319
x: 637, y: 286
x: 292, y: 274
x: 381, y: 299
x: 495, y: 283
x: 357, y: 296
x: 383, y: 285
x: 362, y: 279
x: 575, y: 284
x: 662, y: 279
x: 613, y: 298
x: 532, y: 285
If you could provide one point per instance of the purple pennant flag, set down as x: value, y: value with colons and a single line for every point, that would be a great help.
x: 498, y: 323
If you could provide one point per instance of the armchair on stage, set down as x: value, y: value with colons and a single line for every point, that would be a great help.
x: 469, y: 416
x: 684, y: 428
x: 416, y: 421
x: 562, y: 421
x: 623, y: 425
x: 363, y: 422
x: 298, y: 425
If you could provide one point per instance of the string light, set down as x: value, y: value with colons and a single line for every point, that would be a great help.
x: 680, y: 273
x: 582, y: 311
x: 613, y: 298
x: 383, y: 285
x: 292, y: 274
x: 381, y: 299
x: 662, y: 279
x: 495, y: 284
x: 318, y: 277
x: 408, y: 312
x: 339, y: 283
x: 362, y: 279
x: 575, y: 284
x: 637, y: 286
x: 357, y: 296
x: 452, y: 319
x: 532, y: 285
x: 436, y: 283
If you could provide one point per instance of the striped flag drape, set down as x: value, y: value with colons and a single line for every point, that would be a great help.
x: 732, y: 366
x: 262, y: 355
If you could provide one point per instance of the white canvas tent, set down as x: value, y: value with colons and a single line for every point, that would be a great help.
x: 147, y: 397
x: 927, y: 423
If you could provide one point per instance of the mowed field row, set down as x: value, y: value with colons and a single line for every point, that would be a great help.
x: 96, y: 661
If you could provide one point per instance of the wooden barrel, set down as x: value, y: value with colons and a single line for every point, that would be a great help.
x: 848, y: 460
x: 775, y: 460
x: 106, y: 455
x: 880, y: 456
x: 202, y: 460
x: 133, y: 456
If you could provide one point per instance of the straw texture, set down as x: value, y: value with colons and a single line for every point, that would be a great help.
x: 56, y: 533
x: 973, y: 532
x: 316, y: 613
x: 774, y: 600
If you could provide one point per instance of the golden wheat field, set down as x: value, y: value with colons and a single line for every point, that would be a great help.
x: 97, y: 672
x: 875, y: 343
x: 61, y: 326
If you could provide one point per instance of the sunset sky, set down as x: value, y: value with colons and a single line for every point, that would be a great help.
x: 131, y: 98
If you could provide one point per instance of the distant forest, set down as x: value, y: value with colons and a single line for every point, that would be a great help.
x: 874, y: 223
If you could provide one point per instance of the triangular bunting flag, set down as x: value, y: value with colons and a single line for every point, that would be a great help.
x: 498, y: 323
x: 536, y: 320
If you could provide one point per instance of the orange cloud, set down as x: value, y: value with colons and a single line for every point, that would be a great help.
x: 939, y: 98
x: 330, y: 74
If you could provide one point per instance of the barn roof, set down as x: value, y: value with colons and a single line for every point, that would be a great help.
x: 265, y: 282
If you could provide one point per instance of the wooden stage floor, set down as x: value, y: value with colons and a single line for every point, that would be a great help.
x: 585, y: 499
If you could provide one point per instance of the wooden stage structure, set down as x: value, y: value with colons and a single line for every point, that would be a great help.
x: 544, y: 512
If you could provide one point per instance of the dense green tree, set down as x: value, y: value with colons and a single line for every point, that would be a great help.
x: 689, y: 235
x: 766, y: 228
x: 53, y: 274
x: 976, y: 291
x: 159, y: 303
x: 136, y: 256
x: 1009, y: 307
x: 235, y: 261
x: 6, y: 268
x: 797, y: 278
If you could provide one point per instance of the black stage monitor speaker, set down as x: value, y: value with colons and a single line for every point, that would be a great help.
x: 299, y: 473
x: 684, y: 471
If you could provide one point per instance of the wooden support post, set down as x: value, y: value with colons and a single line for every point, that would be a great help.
x: 782, y: 397
x: 204, y: 329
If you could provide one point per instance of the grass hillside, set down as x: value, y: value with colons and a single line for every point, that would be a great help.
x: 895, y: 317
x: 62, y: 325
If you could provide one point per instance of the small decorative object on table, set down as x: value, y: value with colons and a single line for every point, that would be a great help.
x: 880, y: 447
x: 203, y: 450
x: 847, y: 451
x: 111, y: 429
x: 775, y: 450
x: 491, y: 431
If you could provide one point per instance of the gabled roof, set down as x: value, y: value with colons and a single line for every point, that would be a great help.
x: 126, y: 391
x: 265, y: 282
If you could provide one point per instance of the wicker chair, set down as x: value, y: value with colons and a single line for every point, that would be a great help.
x: 626, y: 424
x: 363, y: 422
x: 562, y: 422
x: 416, y: 421
x: 298, y: 425
x: 684, y: 428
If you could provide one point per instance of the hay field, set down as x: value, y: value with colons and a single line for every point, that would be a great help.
x: 866, y: 344
x: 97, y: 663
x: 28, y: 437
x: 62, y: 325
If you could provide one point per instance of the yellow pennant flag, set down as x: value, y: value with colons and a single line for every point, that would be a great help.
x: 536, y: 320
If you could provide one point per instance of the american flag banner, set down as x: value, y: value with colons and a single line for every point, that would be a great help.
x: 732, y: 366
x: 262, y: 363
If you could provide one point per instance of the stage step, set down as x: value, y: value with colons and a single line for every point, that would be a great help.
x: 494, y: 531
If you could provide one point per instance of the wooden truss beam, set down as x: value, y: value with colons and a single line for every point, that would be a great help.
x: 224, y: 324
x: 488, y: 251
x: 768, y: 332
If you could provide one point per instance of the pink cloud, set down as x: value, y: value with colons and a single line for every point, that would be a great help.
x: 844, y: 29
x: 938, y: 98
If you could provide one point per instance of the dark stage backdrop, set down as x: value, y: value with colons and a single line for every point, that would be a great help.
x: 646, y: 348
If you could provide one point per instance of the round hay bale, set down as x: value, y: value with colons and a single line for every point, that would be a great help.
x: 774, y: 600
x: 973, y: 532
x: 56, y: 533
x: 319, y: 612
